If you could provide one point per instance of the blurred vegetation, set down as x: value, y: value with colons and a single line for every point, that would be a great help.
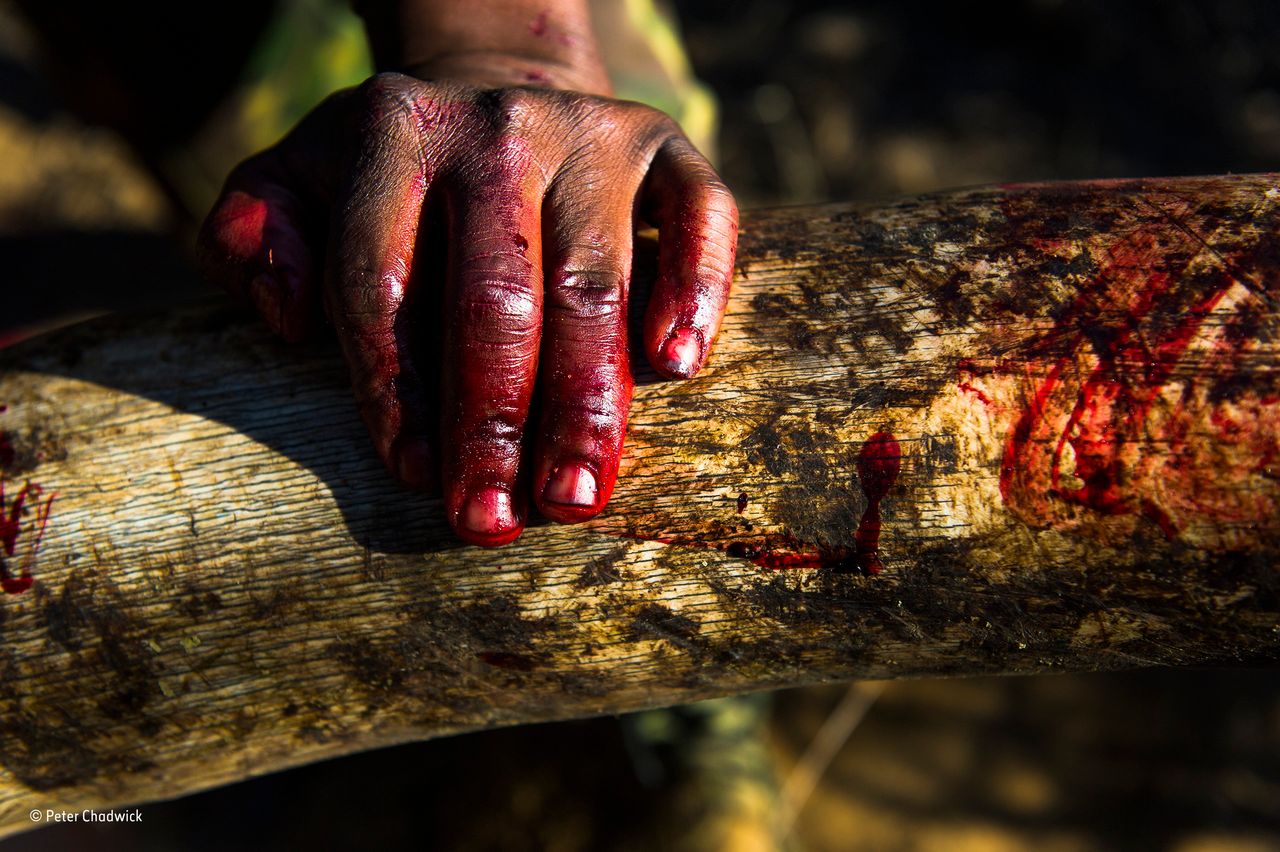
x: 837, y: 100
x: 310, y: 49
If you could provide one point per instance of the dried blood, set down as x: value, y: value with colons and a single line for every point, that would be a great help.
x: 11, y: 530
x: 879, y: 462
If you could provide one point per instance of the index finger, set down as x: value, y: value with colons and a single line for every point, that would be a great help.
x: 370, y: 287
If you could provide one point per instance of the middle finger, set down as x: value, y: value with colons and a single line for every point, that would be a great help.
x: 494, y: 299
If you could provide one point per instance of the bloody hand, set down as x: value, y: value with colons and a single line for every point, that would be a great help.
x: 468, y: 243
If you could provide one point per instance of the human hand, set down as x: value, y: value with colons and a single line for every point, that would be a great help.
x: 421, y: 215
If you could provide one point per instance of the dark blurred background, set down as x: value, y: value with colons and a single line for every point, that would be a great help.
x: 817, y: 101
x: 867, y: 99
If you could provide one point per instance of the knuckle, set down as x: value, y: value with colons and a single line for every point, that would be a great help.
x: 713, y: 195
x: 366, y: 318
x: 587, y: 292
x: 384, y: 86
x: 622, y: 130
x: 598, y: 409
x: 500, y: 433
x: 661, y: 126
x: 595, y: 117
x: 710, y: 213
x: 390, y: 104
x: 366, y: 293
x: 498, y: 311
x: 507, y: 111
x: 513, y: 107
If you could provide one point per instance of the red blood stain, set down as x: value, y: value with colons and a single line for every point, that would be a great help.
x: 16, y: 585
x: 967, y: 367
x: 982, y: 397
x: 772, y: 550
x: 240, y: 223
x: 11, y: 530
x: 878, y: 464
x: 776, y: 551
x: 805, y: 556
x: 533, y: 75
x: 1112, y: 403
x: 1112, y: 396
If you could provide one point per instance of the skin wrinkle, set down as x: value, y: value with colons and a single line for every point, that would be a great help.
x: 589, y: 298
x: 599, y: 417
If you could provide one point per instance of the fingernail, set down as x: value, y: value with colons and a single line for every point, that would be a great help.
x: 680, y: 354
x: 572, y: 484
x: 417, y: 464
x: 488, y: 512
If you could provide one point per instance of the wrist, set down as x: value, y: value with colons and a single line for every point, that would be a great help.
x: 496, y: 43
x: 499, y: 69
